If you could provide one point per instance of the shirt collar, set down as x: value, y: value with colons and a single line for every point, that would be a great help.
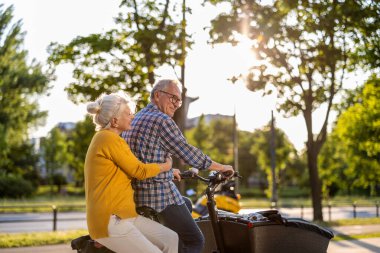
x: 152, y: 106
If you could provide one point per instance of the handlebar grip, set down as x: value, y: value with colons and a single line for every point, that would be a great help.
x: 187, y: 174
x: 228, y: 173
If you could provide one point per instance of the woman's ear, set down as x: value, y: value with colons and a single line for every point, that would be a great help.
x: 114, y: 122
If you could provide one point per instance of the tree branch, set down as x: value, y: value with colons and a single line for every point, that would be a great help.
x: 136, y: 15
x: 164, y: 16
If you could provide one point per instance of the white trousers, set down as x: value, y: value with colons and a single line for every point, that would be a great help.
x: 139, y: 234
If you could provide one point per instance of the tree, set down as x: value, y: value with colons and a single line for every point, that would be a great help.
x: 125, y: 58
x: 23, y: 161
x: 201, y: 134
x: 214, y: 138
x: 359, y: 129
x: 285, y: 153
x: 80, y: 140
x: 221, y: 140
x: 247, y: 160
x: 303, y: 50
x: 21, y: 84
x: 333, y: 164
x: 55, y: 153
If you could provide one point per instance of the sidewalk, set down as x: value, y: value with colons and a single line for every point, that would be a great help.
x: 368, y: 245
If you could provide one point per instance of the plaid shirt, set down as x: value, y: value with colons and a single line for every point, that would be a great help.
x: 153, y: 137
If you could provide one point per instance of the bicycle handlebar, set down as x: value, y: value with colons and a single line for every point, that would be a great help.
x: 213, y: 179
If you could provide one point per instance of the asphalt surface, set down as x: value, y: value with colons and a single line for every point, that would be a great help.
x: 371, y: 245
x: 368, y: 245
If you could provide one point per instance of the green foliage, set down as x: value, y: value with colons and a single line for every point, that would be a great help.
x: 147, y: 36
x: 332, y: 164
x: 15, y: 187
x: 23, y: 161
x: 304, y: 50
x: 358, y: 133
x: 359, y: 126
x: 21, y: 84
x: 248, y: 160
x: 201, y: 133
x: 54, y: 149
x: 215, y: 139
x: 284, y: 154
x: 80, y: 140
x: 39, y: 239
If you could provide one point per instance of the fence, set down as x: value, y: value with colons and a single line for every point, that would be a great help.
x: 333, y: 212
x: 53, y: 209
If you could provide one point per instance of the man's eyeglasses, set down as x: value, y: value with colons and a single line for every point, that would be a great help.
x: 173, y: 98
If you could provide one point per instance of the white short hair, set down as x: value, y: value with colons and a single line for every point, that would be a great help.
x: 162, y: 84
x: 106, y: 107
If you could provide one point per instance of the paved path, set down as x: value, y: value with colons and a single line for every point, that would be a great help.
x: 371, y: 245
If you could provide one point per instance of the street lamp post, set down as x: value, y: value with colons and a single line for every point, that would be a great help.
x: 273, y: 163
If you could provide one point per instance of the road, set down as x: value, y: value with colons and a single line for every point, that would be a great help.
x: 37, y: 222
x: 370, y: 245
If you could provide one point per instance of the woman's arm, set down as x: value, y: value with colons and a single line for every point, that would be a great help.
x: 122, y: 155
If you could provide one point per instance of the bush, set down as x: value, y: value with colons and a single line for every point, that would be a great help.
x: 15, y: 187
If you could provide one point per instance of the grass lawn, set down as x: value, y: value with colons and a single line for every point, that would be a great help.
x: 39, y: 239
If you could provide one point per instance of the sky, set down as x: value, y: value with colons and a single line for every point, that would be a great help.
x: 207, y: 67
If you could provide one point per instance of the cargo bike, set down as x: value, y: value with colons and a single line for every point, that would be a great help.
x: 226, y: 232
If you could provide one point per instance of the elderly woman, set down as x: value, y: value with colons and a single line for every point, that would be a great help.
x: 109, y: 167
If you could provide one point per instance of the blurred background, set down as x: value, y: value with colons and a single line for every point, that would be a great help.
x: 287, y: 92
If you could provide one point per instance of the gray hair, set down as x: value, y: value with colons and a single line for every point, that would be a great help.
x: 106, y: 107
x: 162, y: 84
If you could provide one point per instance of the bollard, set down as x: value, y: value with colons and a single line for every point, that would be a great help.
x: 377, y: 208
x: 301, y: 211
x: 354, y: 206
x: 329, y: 207
x: 54, y: 217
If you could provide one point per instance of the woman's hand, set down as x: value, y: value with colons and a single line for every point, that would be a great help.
x: 167, y: 165
x: 176, y: 174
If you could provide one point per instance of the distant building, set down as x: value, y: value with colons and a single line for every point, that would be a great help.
x: 66, y: 126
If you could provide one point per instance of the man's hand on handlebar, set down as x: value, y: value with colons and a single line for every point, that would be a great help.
x: 227, y: 171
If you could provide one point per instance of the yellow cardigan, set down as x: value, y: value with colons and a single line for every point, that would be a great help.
x: 109, y: 167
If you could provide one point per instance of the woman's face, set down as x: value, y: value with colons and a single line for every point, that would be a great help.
x: 125, y: 118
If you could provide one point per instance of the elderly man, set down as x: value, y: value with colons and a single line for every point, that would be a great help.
x: 154, y: 136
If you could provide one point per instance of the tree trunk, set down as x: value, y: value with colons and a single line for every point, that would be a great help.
x: 315, y: 182
x: 312, y: 159
x: 180, y: 119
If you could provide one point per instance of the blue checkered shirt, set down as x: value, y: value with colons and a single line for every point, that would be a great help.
x: 153, y: 137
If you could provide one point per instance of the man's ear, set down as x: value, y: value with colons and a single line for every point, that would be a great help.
x: 156, y: 95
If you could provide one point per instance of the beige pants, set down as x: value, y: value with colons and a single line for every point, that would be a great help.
x: 139, y: 234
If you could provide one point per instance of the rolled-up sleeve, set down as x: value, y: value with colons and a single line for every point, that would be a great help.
x: 175, y: 143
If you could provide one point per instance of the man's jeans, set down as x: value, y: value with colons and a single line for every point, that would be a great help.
x: 178, y: 218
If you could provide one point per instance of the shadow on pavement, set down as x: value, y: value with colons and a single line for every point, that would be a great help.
x: 355, y: 241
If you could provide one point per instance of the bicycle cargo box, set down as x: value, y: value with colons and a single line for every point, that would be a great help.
x: 246, y: 233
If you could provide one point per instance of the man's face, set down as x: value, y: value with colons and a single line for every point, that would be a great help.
x: 169, y: 99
